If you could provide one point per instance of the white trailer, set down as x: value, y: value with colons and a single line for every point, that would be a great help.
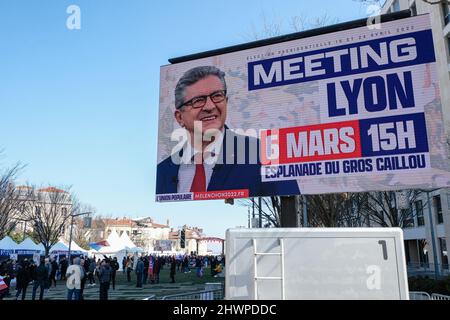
x: 315, y: 263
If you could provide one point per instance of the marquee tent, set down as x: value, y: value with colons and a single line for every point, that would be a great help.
x: 27, y: 246
x: 59, y: 247
x: 125, y: 239
x: 76, y: 248
x: 7, y: 246
x: 116, y: 249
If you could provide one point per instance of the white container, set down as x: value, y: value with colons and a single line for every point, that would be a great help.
x: 315, y: 263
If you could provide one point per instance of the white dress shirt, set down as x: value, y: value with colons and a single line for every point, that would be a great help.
x: 186, y: 171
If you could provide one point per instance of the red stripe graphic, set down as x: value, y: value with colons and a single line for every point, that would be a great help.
x: 329, y: 141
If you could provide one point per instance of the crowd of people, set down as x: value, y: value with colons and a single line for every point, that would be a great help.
x: 87, y: 271
x: 44, y: 275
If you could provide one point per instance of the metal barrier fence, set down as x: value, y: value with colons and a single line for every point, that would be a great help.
x: 427, y: 269
x: 197, y: 295
x: 437, y: 296
x: 421, y: 295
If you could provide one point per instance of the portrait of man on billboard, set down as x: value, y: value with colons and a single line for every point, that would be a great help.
x: 212, y: 157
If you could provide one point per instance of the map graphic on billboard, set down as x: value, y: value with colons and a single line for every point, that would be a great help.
x: 349, y: 111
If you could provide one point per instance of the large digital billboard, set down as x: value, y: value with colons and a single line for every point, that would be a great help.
x: 349, y: 111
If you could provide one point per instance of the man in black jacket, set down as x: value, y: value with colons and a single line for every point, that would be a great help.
x: 173, y: 268
x: 52, y: 277
x: 23, y: 278
x: 41, y: 279
x: 104, y: 276
x: 63, y: 265
x: 114, y: 268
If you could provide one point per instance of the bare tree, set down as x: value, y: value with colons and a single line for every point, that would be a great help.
x: 382, y: 208
x: 96, y: 232
x: 274, y: 26
x: 270, y: 210
x: 49, y: 210
x: 9, y: 199
x: 381, y: 2
x: 331, y: 210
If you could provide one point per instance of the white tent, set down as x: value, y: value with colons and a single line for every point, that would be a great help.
x: 7, y: 246
x: 63, y: 247
x: 127, y: 242
x: 116, y: 249
x: 76, y: 248
x: 41, y: 247
x: 125, y: 239
x: 115, y: 244
x: 27, y: 246
x: 59, y: 247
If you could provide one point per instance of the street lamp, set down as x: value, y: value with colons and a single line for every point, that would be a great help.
x: 71, y: 226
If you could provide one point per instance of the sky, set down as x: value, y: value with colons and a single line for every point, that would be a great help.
x: 80, y: 107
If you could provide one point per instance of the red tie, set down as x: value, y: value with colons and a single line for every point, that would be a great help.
x: 199, y: 182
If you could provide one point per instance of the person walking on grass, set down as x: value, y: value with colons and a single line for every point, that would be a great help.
x: 73, y: 282
x: 40, y: 279
x: 139, y: 273
x: 173, y: 268
x: 114, y: 268
x: 105, y: 275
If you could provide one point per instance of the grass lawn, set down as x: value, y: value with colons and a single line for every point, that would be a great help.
x: 184, y: 282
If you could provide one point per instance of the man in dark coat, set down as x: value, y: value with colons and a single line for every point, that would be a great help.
x: 104, y: 276
x: 63, y: 265
x: 41, y: 279
x: 173, y: 268
x: 146, y: 265
x: 139, y: 273
x: 52, y: 277
x: 23, y: 278
x: 114, y: 268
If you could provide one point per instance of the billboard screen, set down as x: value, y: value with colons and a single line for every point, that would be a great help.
x: 349, y: 111
x: 162, y: 245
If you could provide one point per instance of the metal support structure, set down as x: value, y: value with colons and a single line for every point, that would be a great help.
x: 288, y: 216
x: 255, y: 268
x: 305, y: 212
x: 71, y: 227
x: 260, y: 213
x: 70, y: 238
x: 433, y: 241
x: 253, y: 212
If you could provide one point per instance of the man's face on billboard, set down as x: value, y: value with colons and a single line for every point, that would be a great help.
x: 213, y: 114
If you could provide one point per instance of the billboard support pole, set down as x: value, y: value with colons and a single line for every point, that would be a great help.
x: 305, y: 212
x: 433, y: 241
x: 253, y: 212
x: 288, y: 217
x: 260, y: 213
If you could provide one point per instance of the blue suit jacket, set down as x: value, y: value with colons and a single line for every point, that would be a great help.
x: 229, y: 175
